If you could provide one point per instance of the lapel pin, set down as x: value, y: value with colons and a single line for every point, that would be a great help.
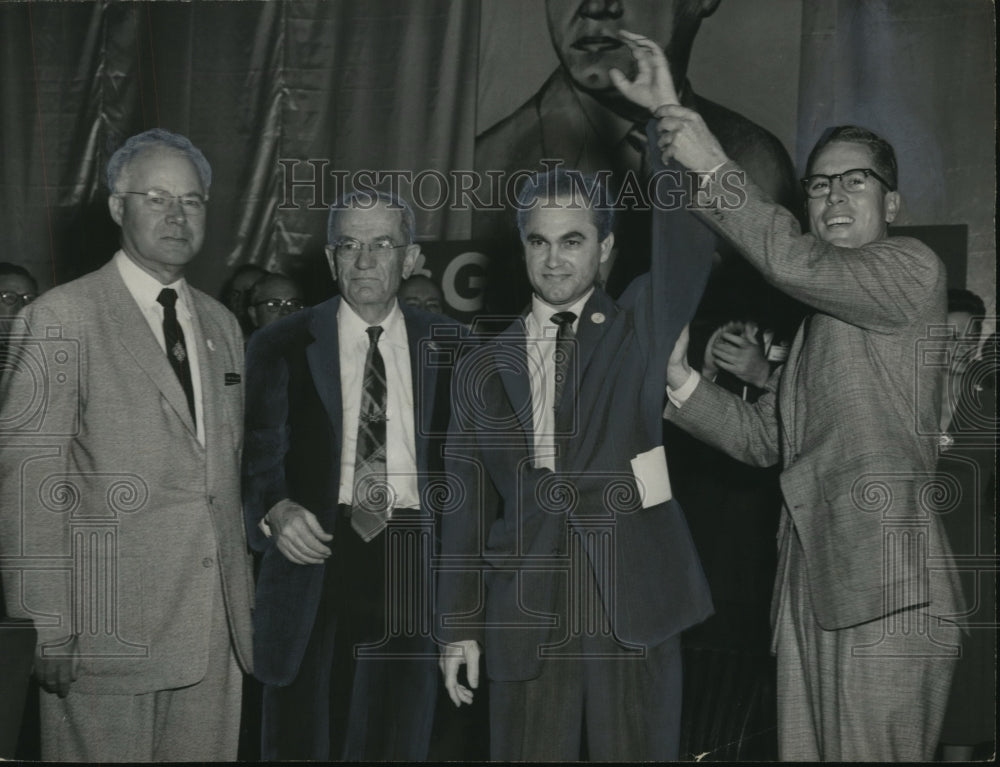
x: 209, y: 344
x: 597, y: 318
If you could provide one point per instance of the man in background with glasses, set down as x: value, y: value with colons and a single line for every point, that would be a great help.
x: 17, y: 289
x: 347, y: 409
x: 864, y: 664
x: 140, y: 587
x: 272, y: 297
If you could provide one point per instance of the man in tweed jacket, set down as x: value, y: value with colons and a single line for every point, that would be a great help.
x: 865, y: 572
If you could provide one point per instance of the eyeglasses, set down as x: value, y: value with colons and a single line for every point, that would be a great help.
x: 10, y: 298
x: 348, y: 248
x: 275, y: 304
x: 854, y: 180
x: 159, y: 201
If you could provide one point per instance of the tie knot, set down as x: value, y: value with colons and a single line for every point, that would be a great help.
x: 167, y: 297
x: 564, y: 320
x: 373, y: 334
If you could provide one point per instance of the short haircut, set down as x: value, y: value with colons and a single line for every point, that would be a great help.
x: 268, y: 280
x: 364, y: 199
x: 883, y: 155
x: 8, y: 269
x: 961, y: 300
x: 582, y: 188
x: 157, y: 137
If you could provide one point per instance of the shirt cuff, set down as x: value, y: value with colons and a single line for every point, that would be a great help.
x: 711, y: 171
x: 681, y: 394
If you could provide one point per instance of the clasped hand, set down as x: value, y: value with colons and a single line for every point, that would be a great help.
x: 683, y: 135
x: 298, y: 534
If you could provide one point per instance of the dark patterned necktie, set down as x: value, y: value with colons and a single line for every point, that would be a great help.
x: 173, y: 337
x: 565, y: 340
x: 370, y: 509
x: 634, y: 151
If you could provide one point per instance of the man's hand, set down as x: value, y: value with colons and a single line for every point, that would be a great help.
x: 678, y: 370
x: 56, y: 672
x: 737, y: 351
x: 452, y: 657
x: 298, y: 534
x: 709, y: 369
x: 652, y: 85
x: 684, y: 136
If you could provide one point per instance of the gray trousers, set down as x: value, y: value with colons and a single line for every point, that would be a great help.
x: 875, y: 692
x: 196, y: 723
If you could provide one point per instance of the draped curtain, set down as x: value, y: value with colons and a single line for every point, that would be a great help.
x: 269, y: 91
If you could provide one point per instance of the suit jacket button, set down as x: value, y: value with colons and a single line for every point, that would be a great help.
x: 207, y: 562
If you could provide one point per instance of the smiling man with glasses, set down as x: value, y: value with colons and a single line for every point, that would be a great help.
x: 866, y: 582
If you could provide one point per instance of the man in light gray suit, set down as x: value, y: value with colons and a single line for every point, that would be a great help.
x: 120, y: 525
x: 865, y: 572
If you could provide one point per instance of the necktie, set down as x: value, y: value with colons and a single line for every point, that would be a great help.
x: 565, y: 339
x: 370, y: 509
x: 173, y: 337
x: 634, y: 149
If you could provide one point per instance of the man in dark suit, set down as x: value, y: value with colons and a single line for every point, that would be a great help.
x: 346, y: 415
x: 866, y: 582
x: 579, y: 118
x: 568, y: 562
x: 140, y: 587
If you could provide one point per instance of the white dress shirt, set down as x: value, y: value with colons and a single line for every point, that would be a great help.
x: 401, y: 454
x: 541, y: 346
x: 145, y: 288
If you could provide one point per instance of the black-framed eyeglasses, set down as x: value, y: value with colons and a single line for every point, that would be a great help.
x: 350, y: 248
x: 159, y: 201
x: 11, y: 298
x: 853, y: 180
x: 276, y: 304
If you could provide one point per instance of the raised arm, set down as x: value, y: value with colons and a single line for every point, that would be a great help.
x: 881, y: 285
x: 682, y: 245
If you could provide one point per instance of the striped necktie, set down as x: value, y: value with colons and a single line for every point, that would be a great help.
x: 370, y: 509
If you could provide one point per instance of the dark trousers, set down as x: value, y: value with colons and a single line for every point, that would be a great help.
x: 618, y: 707
x: 367, y: 685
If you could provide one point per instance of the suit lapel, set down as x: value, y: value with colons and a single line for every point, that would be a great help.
x: 562, y: 122
x: 597, y: 316
x: 136, y: 336
x: 323, y: 355
x: 790, y: 405
x: 212, y: 345
x: 423, y: 381
x: 510, y: 357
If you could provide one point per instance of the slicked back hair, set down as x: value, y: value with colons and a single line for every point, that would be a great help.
x: 156, y: 137
x: 576, y: 189
x: 364, y: 199
x: 883, y: 155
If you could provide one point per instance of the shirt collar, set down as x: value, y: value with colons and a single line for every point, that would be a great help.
x: 145, y: 288
x: 353, y: 327
x: 540, y: 322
